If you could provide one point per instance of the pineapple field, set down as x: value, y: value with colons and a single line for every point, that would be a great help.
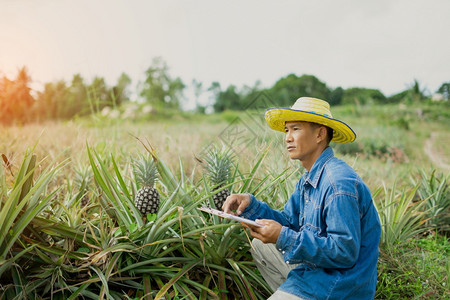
x: 100, y: 208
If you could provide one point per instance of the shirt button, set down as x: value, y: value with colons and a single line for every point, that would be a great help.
x: 287, y: 262
x: 283, y: 252
x: 279, y: 249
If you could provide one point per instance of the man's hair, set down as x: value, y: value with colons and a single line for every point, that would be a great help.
x: 329, y: 131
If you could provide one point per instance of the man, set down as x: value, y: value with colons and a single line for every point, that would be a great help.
x: 324, y: 243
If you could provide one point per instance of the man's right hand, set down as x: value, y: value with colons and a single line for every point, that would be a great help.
x: 236, y: 202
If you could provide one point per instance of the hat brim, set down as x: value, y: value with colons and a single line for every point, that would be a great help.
x: 276, y: 117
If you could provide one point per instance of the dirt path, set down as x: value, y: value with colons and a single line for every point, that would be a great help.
x: 435, y: 157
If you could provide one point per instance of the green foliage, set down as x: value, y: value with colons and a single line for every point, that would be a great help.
x: 382, y: 142
x: 335, y: 97
x: 361, y: 96
x: 399, y: 97
x: 413, y: 94
x: 49, y: 105
x: 400, y: 217
x: 416, y: 92
x: 61, y: 101
x: 416, y: 269
x: 230, y: 116
x: 116, y: 198
x: 159, y: 88
x: 437, y: 112
x: 348, y: 148
x: 444, y: 90
x: 228, y: 99
x: 119, y: 92
x: 233, y: 98
x: 19, y: 205
x: 436, y: 188
x: 286, y: 90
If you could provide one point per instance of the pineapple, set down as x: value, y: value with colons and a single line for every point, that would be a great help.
x: 218, y: 167
x: 147, y: 197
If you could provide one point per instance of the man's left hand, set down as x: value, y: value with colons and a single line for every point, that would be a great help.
x: 267, y: 234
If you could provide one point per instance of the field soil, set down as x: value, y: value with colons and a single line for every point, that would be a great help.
x: 435, y: 156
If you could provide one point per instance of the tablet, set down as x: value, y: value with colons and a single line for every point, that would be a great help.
x: 229, y: 216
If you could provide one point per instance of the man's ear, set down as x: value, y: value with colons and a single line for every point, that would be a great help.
x: 321, y: 134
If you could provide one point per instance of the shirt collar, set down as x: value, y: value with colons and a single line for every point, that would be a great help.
x: 312, y: 177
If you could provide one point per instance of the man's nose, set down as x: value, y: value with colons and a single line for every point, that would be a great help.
x: 288, y: 137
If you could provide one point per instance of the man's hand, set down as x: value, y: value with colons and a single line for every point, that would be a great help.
x: 236, y: 202
x: 267, y: 234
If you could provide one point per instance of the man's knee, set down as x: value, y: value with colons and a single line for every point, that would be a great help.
x: 257, y: 245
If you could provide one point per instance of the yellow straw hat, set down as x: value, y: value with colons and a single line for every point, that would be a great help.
x: 310, y: 110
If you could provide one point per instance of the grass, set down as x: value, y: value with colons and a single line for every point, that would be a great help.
x: 418, y: 268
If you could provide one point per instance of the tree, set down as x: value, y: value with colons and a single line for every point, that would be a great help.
x: 363, y: 96
x: 215, y: 89
x: 416, y: 92
x: 234, y: 99
x: 120, y: 90
x: 198, y: 90
x: 228, y: 99
x: 98, y: 94
x: 15, y: 98
x: 159, y: 88
x: 444, y: 90
x: 336, y: 96
x: 286, y: 90
x: 50, y: 103
x: 77, y: 99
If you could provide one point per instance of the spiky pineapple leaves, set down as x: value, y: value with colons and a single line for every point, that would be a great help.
x: 20, y: 205
x: 218, y: 165
x: 116, y: 198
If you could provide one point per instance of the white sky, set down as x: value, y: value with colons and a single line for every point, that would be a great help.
x: 375, y: 44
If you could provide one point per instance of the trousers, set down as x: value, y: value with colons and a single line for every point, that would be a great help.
x: 272, y: 267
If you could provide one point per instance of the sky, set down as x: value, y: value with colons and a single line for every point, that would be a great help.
x: 383, y: 44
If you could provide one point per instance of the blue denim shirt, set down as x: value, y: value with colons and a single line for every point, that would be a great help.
x: 330, y: 229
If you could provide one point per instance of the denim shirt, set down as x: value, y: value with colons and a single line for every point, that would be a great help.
x: 330, y: 229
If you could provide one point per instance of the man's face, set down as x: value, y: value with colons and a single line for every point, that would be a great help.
x: 301, y: 141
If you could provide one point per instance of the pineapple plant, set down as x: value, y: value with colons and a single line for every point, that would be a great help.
x: 218, y: 167
x: 82, y: 181
x: 147, y: 197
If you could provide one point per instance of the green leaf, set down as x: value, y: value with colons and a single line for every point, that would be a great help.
x: 132, y: 228
x: 175, y: 278
x: 151, y: 217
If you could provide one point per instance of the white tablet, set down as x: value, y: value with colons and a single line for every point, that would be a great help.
x: 229, y: 216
